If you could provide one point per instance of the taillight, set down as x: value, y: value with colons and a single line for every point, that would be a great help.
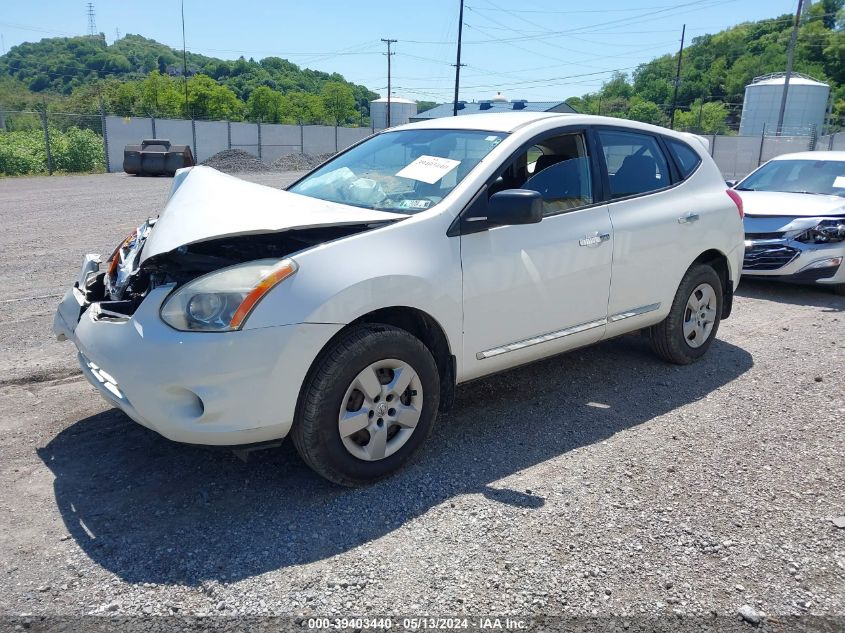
x: 733, y: 195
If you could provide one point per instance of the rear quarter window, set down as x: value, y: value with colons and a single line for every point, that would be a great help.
x: 685, y: 156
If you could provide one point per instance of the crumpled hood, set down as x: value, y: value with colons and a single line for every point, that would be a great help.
x: 791, y: 204
x: 206, y: 204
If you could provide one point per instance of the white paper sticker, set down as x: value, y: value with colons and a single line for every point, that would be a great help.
x: 428, y: 169
x: 839, y: 182
x: 414, y: 204
x: 491, y: 138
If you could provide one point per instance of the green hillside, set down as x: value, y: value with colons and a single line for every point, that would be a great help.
x: 139, y: 76
x: 716, y: 69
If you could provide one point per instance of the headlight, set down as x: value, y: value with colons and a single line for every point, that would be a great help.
x: 221, y: 301
x: 824, y: 232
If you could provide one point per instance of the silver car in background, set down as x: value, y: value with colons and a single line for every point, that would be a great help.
x: 795, y: 219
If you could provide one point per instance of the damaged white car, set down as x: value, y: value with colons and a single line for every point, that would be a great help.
x: 344, y: 311
x: 795, y: 222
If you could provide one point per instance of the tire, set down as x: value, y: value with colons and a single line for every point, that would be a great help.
x: 340, y: 393
x: 839, y: 289
x: 680, y: 338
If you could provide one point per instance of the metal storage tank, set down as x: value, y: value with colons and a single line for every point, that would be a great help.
x: 401, y: 111
x: 806, y: 105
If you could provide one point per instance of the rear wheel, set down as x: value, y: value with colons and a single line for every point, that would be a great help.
x: 687, y: 333
x: 369, y: 405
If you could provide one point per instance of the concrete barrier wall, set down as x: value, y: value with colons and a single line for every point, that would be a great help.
x: 350, y: 135
x: 178, y: 132
x: 320, y: 139
x: 214, y: 136
x: 777, y: 145
x: 831, y: 142
x: 279, y: 140
x: 736, y: 156
x: 244, y: 137
x: 124, y: 131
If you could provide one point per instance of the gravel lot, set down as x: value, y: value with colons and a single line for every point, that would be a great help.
x: 600, y: 483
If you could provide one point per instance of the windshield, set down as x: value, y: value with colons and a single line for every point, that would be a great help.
x: 798, y: 176
x: 406, y: 171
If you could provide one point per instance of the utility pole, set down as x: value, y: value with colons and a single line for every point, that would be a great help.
x: 789, y: 59
x: 458, y: 63
x: 677, y: 79
x: 185, y: 63
x: 389, y: 54
x: 116, y: 34
x: 2, y: 43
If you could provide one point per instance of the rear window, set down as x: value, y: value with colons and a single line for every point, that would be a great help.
x: 686, y: 157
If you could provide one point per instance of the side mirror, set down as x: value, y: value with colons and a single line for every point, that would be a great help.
x: 515, y: 206
x: 731, y: 183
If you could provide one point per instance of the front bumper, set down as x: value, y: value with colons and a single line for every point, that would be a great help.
x: 198, y: 387
x: 793, y: 261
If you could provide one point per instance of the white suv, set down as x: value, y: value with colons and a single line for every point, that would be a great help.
x: 345, y: 310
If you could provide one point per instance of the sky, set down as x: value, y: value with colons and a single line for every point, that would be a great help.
x: 540, y: 50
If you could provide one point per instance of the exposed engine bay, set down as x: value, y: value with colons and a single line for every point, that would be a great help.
x: 122, y: 285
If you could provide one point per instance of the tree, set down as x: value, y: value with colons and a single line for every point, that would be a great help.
x: 646, y: 111
x: 710, y: 118
x: 304, y: 107
x: 159, y: 96
x: 339, y: 102
x: 266, y: 105
x: 617, y: 87
x: 209, y: 100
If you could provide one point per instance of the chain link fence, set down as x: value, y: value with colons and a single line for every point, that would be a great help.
x: 39, y: 142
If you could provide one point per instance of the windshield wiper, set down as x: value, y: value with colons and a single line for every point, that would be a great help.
x: 745, y: 189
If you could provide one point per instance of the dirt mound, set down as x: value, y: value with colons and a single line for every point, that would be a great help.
x: 235, y: 161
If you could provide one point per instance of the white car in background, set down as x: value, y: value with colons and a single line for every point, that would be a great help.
x: 345, y: 310
x: 795, y: 219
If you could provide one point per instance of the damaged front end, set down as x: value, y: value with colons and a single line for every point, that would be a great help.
x: 127, y: 278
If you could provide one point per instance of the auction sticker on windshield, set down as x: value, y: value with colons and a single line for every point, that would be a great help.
x: 428, y: 169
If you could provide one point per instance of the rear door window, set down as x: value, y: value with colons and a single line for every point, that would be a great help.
x: 635, y: 163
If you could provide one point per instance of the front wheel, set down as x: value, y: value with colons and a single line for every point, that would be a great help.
x: 369, y: 405
x: 687, y: 333
x: 839, y: 289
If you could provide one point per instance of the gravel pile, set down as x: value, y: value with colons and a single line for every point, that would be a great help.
x: 299, y: 162
x: 234, y: 161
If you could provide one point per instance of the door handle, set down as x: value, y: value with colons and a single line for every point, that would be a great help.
x: 689, y: 218
x: 594, y: 240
